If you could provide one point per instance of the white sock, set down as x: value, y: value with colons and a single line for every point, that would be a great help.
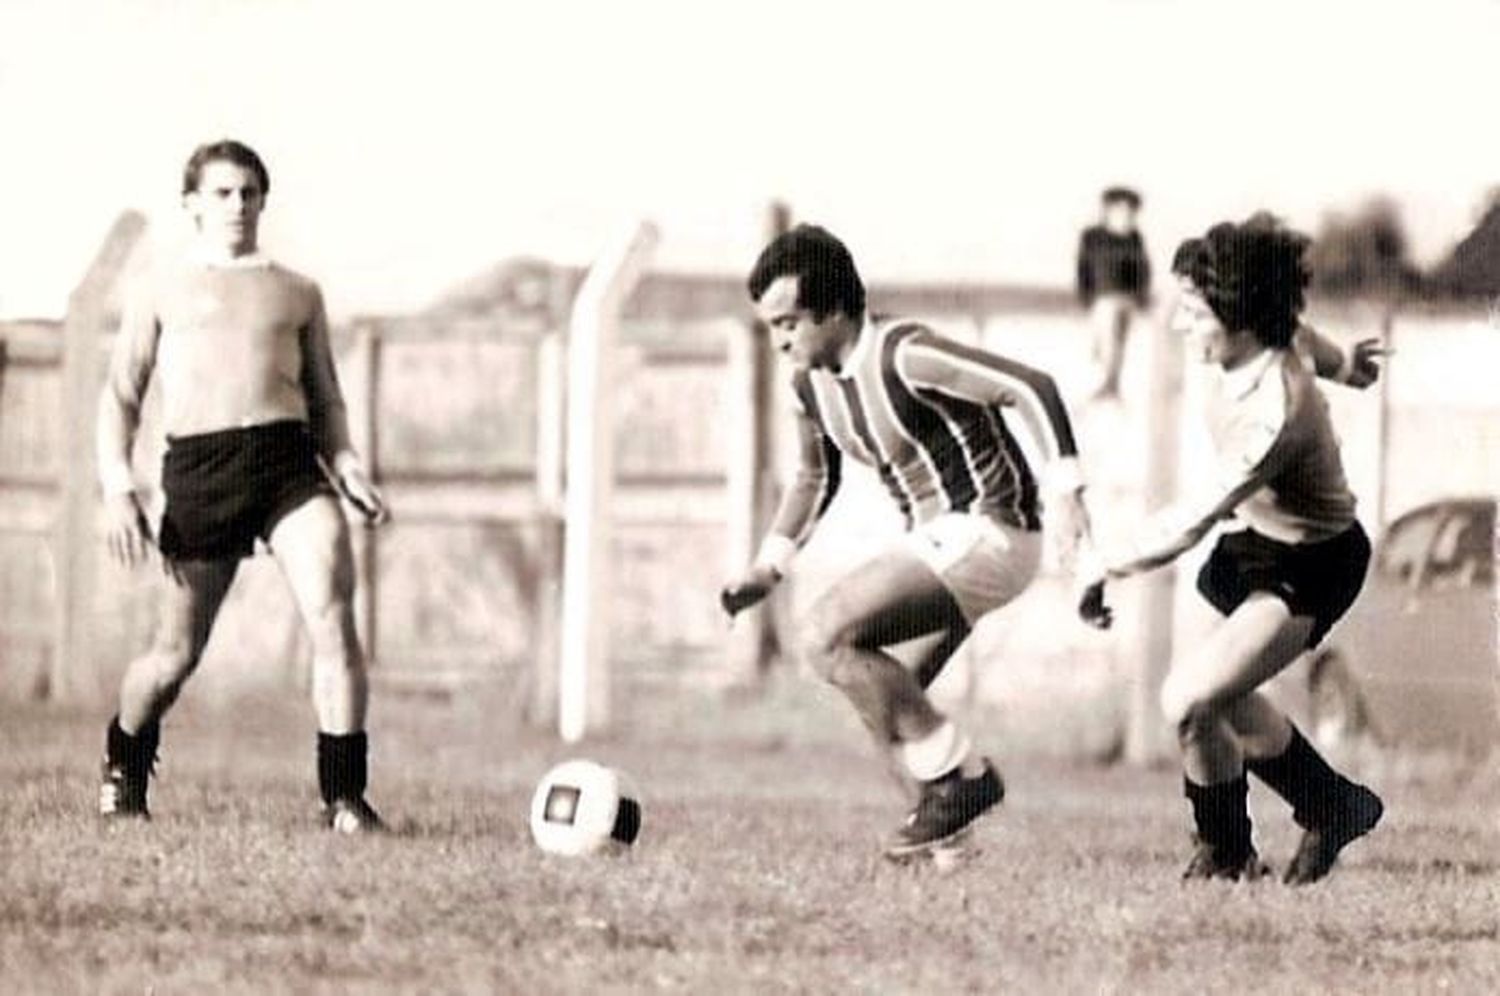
x: 936, y: 754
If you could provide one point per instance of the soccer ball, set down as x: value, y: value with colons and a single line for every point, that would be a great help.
x: 580, y: 807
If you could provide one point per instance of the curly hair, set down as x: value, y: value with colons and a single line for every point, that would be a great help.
x: 827, y: 278
x: 224, y: 150
x: 1252, y: 275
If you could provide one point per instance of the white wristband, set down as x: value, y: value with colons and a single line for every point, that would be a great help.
x: 343, y: 460
x: 116, y: 479
x: 776, y: 552
x: 1062, y: 475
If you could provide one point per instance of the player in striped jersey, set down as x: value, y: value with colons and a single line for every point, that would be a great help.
x: 1282, y: 579
x: 933, y: 417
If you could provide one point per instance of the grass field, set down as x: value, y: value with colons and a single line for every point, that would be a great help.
x: 757, y: 872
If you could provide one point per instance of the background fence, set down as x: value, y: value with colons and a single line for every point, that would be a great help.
x: 458, y: 410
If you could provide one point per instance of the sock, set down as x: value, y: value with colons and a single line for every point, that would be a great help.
x: 1301, y: 777
x: 342, y: 765
x: 935, y: 755
x: 136, y: 753
x: 1222, y: 815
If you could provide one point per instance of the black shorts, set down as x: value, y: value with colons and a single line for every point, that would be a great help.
x: 224, y: 489
x: 1320, y: 580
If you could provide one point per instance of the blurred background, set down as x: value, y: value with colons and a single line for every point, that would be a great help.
x: 449, y: 173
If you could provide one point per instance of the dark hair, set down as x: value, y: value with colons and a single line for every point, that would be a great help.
x: 1251, y: 274
x: 828, y: 280
x: 1126, y: 194
x: 225, y: 150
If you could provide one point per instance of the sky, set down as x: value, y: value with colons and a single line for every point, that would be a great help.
x: 412, y: 145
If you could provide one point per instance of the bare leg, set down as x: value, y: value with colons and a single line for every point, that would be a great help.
x: 312, y: 546
x: 1262, y: 729
x: 889, y: 600
x: 1111, y: 322
x: 189, y: 604
x: 1200, y: 697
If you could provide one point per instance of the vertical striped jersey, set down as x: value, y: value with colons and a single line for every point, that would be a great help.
x: 932, y: 417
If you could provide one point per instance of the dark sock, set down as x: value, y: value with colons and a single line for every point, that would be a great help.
x: 1222, y: 816
x: 1301, y: 777
x: 136, y: 753
x: 342, y: 765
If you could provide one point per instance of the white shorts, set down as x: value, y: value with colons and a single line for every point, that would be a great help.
x: 984, y: 564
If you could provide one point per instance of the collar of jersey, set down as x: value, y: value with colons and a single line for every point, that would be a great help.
x: 202, y: 257
x: 1241, y: 381
x: 862, y: 345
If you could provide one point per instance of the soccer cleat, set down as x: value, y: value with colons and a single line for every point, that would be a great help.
x: 352, y: 816
x: 122, y: 794
x: 1209, y: 862
x: 1359, y: 811
x: 949, y: 805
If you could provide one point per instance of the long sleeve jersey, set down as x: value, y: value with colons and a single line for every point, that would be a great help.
x: 232, y: 345
x: 933, y: 418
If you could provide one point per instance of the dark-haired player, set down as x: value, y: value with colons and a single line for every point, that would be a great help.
x: 935, y: 419
x: 255, y: 426
x: 1285, y: 576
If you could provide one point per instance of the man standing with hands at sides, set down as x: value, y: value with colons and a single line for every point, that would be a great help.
x: 257, y: 440
x: 1114, y: 282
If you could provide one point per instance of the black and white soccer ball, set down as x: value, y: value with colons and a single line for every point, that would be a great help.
x: 581, y: 807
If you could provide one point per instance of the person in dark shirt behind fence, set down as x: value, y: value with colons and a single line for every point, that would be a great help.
x: 1114, y: 281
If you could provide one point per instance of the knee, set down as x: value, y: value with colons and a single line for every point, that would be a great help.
x: 826, y: 642
x: 171, y: 660
x: 1189, y: 710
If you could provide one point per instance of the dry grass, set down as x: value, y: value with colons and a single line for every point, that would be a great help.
x: 756, y: 873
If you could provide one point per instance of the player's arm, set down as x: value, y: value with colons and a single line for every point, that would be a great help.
x: 811, y: 491
x: 928, y: 362
x: 1143, y: 261
x: 131, y: 361
x: 1085, y: 278
x: 1359, y: 367
x: 1261, y: 448
x: 328, y: 417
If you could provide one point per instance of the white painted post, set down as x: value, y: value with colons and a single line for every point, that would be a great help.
x: 551, y: 394
x: 583, y: 689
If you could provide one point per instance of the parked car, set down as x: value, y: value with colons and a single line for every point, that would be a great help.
x: 1415, y: 663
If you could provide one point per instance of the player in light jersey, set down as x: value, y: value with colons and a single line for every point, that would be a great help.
x: 255, y: 424
x: 933, y: 417
x: 1285, y: 576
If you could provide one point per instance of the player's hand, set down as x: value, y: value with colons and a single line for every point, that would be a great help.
x: 1092, y: 607
x: 751, y: 589
x: 126, y: 531
x: 362, y: 493
x: 1364, y: 362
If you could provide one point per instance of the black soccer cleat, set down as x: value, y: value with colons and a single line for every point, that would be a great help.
x: 122, y: 793
x: 1359, y: 811
x: 949, y: 805
x: 352, y: 816
x: 1209, y: 862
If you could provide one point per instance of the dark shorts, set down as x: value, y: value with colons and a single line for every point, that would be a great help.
x: 226, y: 489
x: 1319, y: 580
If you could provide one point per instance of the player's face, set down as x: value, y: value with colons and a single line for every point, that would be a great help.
x: 1207, y: 339
x: 226, y: 206
x: 804, y: 339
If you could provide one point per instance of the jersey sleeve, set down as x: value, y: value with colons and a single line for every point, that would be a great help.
x: 1085, y: 271
x: 131, y: 362
x: 327, y: 415
x: 929, y: 362
x: 1255, y: 449
x: 819, y: 470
